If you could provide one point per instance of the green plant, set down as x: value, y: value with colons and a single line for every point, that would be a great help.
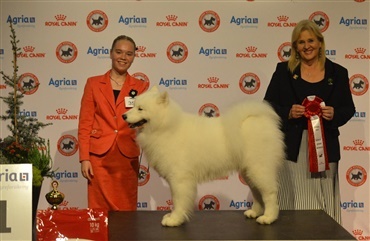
x: 24, y: 145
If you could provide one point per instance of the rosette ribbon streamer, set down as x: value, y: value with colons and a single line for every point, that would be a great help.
x: 317, y: 153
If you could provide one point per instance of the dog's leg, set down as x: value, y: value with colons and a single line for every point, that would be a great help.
x: 183, y: 191
x: 257, y: 207
x: 265, y: 205
x: 271, y: 207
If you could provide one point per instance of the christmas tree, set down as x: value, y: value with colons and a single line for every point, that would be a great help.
x: 23, y: 145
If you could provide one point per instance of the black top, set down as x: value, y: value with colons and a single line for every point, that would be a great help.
x: 286, y: 89
x: 116, y: 94
x: 310, y: 89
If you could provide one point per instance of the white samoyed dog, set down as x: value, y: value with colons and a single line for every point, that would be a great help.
x: 187, y: 149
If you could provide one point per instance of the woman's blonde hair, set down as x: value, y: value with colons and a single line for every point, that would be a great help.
x: 294, y: 59
x: 123, y: 37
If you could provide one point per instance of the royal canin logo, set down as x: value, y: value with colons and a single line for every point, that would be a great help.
x: 61, y: 114
x: 171, y: 22
x: 167, y: 207
x: 360, y: 53
x: 358, y: 145
x: 281, y: 23
x: 29, y: 52
x: 213, y: 83
x: 60, y: 21
x: 142, y: 53
x: 251, y: 53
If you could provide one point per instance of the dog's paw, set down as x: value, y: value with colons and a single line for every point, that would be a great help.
x: 250, y: 214
x: 172, y: 220
x: 265, y: 219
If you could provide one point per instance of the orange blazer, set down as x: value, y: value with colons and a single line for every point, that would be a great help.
x: 100, y: 121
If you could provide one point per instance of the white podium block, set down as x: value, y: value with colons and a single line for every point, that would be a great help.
x: 15, y: 202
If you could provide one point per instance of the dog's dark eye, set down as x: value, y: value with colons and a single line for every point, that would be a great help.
x: 140, y: 109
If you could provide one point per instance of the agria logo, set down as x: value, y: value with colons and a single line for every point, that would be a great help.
x: 354, y: 23
x: 353, y: 206
x: 321, y: 20
x: 66, y: 52
x: 133, y: 21
x: 245, y: 22
x: 21, y: 20
x: 9, y: 176
x: 331, y: 54
x: 214, y: 53
x: 65, y: 175
x: 209, y: 21
x: 241, y: 204
x: 28, y: 113
x: 63, y: 83
x: 359, y: 116
x: 173, y: 83
x: 97, y: 21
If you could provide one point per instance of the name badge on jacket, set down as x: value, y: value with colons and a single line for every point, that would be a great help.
x: 129, y: 102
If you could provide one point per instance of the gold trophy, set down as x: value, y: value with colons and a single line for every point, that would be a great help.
x: 54, y: 197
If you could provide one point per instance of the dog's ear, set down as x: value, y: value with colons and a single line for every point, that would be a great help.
x: 154, y: 89
x: 163, y: 98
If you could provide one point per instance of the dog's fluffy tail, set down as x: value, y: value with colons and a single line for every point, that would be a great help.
x: 240, y: 112
x: 251, y: 120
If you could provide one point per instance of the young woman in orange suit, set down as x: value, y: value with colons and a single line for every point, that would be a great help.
x: 107, y: 150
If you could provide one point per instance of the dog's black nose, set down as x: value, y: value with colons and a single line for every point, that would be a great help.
x: 124, y: 116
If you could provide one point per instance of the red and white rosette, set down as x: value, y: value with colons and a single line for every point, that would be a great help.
x: 317, y: 154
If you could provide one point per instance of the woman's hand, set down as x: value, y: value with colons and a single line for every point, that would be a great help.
x: 86, y: 170
x: 296, y: 111
x: 327, y: 112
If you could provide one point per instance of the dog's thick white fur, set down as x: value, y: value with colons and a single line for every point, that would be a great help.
x: 187, y: 149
